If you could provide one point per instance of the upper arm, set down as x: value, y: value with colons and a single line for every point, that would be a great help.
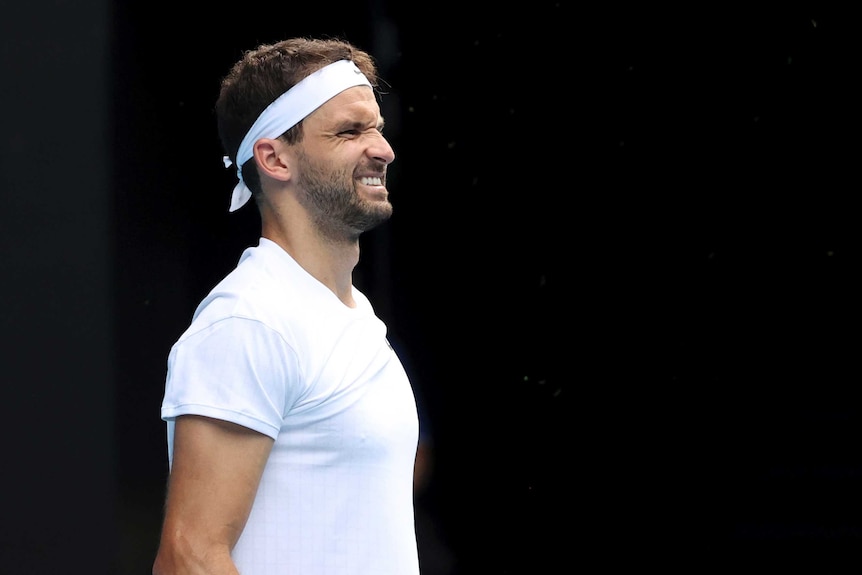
x: 215, y: 473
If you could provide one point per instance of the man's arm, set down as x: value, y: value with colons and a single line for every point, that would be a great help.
x: 214, y: 477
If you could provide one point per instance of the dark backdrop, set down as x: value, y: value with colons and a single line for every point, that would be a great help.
x: 622, y: 263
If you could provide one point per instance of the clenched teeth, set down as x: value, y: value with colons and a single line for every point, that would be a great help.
x: 371, y: 181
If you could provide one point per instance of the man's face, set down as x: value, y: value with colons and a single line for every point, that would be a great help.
x: 342, y: 162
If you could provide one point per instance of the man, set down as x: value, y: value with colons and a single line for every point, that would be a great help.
x: 292, y: 426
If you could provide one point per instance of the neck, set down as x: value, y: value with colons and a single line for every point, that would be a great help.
x: 329, y: 261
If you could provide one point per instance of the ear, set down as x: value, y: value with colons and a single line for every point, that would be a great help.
x: 271, y: 159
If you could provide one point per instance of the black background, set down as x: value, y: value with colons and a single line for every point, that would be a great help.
x: 622, y: 264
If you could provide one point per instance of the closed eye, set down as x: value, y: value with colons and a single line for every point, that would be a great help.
x: 356, y: 132
x: 355, y: 129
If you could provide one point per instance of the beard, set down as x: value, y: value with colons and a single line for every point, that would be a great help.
x: 336, y: 208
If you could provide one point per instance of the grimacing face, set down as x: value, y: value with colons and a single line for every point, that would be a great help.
x: 342, y: 162
x: 330, y: 195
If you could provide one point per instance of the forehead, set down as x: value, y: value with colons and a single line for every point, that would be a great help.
x: 356, y: 104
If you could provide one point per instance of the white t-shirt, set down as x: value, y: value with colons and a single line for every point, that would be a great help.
x: 273, y: 349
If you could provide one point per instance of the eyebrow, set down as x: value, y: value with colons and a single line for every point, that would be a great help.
x: 357, y: 125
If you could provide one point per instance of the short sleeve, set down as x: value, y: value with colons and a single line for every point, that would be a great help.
x: 237, y: 370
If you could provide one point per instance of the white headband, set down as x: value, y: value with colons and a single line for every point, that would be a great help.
x: 289, y: 109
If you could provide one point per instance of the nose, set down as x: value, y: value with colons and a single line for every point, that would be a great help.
x: 380, y: 149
